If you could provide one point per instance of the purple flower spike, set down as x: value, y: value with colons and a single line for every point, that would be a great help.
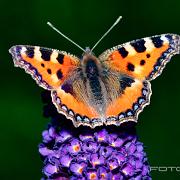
x: 84, y: 156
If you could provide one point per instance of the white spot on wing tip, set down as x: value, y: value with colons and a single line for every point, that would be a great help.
x: 165, y: 39
x: 37, y: 53
x: 149, y: 45
x: 54, y: 55
x: 130, y: 49
x: 23, y: 50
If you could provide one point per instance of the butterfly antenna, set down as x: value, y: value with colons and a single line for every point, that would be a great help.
x: 116, y: 22
x: 48, y: 23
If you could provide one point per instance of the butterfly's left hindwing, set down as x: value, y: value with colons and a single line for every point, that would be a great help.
x: 47, y: 66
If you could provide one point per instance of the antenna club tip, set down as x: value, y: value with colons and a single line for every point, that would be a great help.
x: 118, y: 19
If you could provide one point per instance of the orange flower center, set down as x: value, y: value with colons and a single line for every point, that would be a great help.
x: 93, y: 176
x: 76, y: 148
x: 80, y: 170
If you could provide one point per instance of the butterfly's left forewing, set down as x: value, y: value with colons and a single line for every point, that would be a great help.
x: 141, y: 60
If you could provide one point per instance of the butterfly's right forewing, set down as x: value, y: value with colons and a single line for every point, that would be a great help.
x: 47, y: 66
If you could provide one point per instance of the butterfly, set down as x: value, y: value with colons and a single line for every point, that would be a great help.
x: 110, y: 89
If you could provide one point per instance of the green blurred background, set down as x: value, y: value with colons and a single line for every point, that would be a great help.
x: 24, y: 22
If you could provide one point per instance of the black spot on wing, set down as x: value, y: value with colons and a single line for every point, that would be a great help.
x: 59, y: 74
x: 139, y: 45
x: 42, y: 64
x: 60, y: 58
x: 148, y: 55
x: 49, y: 71
x: 130, y: 67
x: 45, y: 54
x: 123, y: 52
x: 125, y: 82
x: 142, y: 62
x: 169, y: 37
x: 157, y: 41
x: 30, y: 52
x: 67, y: 88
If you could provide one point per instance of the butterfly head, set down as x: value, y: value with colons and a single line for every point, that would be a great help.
x: 88, y: 55
x: 87, y: 51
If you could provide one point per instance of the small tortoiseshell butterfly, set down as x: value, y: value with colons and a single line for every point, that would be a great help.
x: 110, y: 89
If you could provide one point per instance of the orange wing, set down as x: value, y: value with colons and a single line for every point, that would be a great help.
x: 141, y: 61
x: 144, y: 58
x: 57, y: 71
x: 129, y: 104
x: 47, y: 66
x: 78, y: 111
